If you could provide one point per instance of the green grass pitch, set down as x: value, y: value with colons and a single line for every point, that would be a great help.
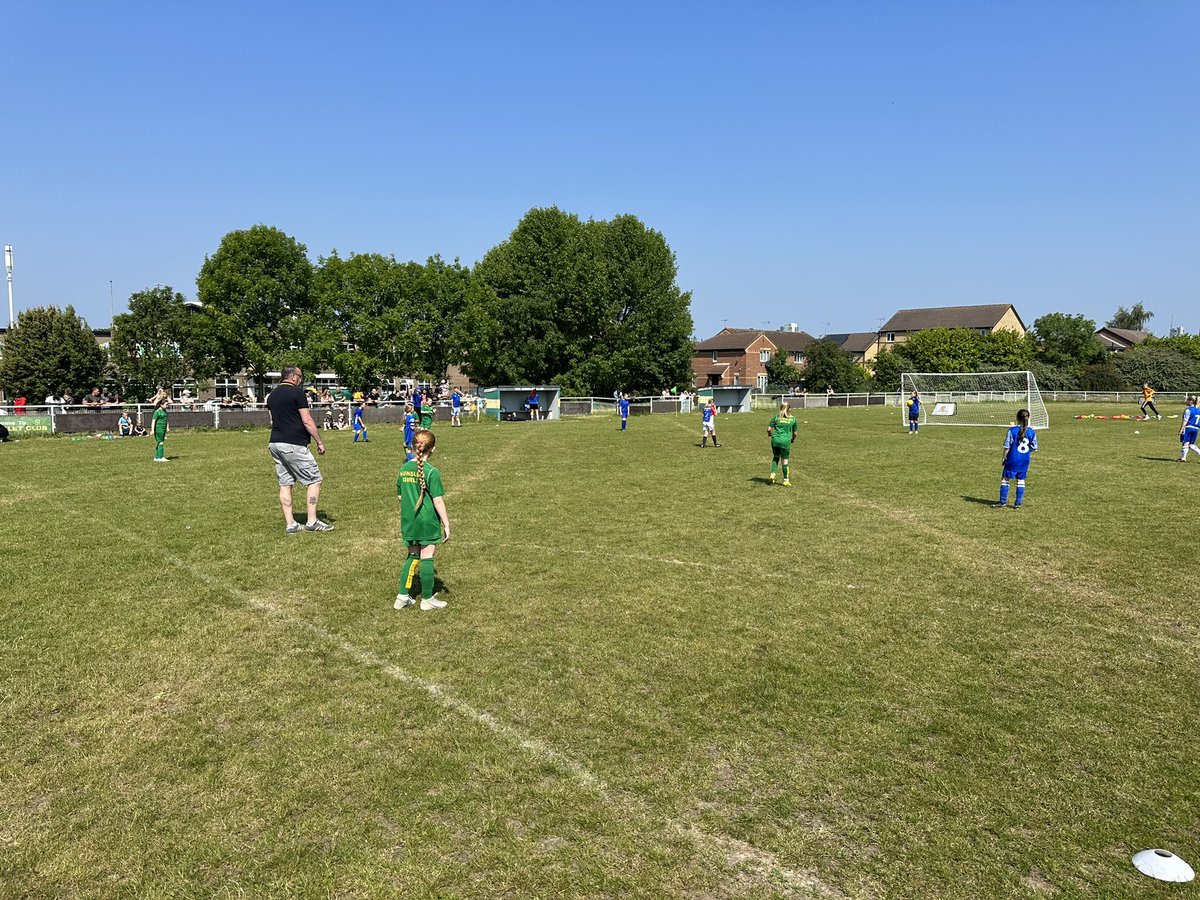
x: 658, y: 675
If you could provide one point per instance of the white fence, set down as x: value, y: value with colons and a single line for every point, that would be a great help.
x: 59, y: 419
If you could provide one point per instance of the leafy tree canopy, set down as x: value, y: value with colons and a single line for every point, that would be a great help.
x: 1134, y: 319
x: 257, y: 309
x: 50, y: 350
x: 783, y: 373
x: 826, y: 363
x: 151, y: 344
x: 1067, y: 341
x: 590, y: 305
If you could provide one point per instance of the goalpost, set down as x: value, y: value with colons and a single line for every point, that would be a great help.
x: 974, y: 398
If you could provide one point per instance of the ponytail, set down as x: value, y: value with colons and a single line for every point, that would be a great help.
x: 423, y: 444
x: 1023, y: 421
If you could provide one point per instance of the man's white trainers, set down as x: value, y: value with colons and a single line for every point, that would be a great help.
x: 432, y: 603
x: 403, y: 600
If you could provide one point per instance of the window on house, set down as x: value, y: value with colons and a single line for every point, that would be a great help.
x: 762, y: 382
x: 764, y: 356
x: 891, y: 337
x: 983, y: 332
x: 225, y: 386
x: 797, y: 357
x: 714, y: 356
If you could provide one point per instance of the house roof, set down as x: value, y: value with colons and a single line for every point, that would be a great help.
x: 741, y: 338
x: 1120, y: 338
x: 858, y: 341
x: 986, y: 316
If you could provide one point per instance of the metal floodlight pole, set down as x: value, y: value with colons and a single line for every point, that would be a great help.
x: 8, y: 266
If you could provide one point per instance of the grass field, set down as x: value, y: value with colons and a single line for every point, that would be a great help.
x: 658, y: 675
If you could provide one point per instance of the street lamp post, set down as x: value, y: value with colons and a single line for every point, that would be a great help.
x: 8, y: 266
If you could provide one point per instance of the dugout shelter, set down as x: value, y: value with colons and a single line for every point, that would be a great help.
x: 730, y: 398
x: 508, y: 402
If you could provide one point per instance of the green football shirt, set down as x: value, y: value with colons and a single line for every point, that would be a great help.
x: 783, y: 429
x: 419, y: 526
x: 160, y: 421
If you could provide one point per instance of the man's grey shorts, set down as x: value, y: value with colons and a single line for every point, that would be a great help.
x: 294, y: 462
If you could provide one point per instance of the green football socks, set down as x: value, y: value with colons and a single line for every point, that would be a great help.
x: 427, y: 578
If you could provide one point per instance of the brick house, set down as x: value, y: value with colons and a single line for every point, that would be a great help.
x: 739, y: 356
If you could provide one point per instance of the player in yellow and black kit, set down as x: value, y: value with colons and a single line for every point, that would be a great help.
x: 782, y: 430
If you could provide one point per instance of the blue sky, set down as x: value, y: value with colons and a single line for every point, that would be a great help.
x: 818, y: 163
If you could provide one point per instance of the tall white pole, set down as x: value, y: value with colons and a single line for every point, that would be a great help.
x: 8, y: 266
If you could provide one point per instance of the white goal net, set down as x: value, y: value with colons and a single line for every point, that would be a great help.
x: 974, y: 398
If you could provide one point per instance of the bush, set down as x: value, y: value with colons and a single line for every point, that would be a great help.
x: 1163, y: 368
x: 1101, y: 377
x: 1054, y: 378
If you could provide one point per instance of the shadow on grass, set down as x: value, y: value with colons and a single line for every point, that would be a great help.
x: 1160, y: 458
x: 984, y: 501
x: 762, y: 480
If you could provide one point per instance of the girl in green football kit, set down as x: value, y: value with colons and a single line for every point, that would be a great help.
x: 424, y: 522
x: 782, y: 430
x: 160, y: 429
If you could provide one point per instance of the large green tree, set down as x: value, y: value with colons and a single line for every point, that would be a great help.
x: 50, y: 350
x: 591, y: 305
x: 378, y: 317
x: 1134, y: 319
x: 826, y: 363
x: 364, y: 307
x: 1067, y: 341
x: 257, y: 303
x: 782, y: 373
x: 151, y: 344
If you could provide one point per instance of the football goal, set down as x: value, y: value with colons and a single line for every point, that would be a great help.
x: 974, y: 398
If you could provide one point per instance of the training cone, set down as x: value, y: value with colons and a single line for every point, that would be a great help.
x: 1163, y: 865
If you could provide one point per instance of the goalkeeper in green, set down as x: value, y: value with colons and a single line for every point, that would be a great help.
x: 782, y: 430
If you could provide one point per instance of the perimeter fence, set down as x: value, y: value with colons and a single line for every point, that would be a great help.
x: 75, y: 420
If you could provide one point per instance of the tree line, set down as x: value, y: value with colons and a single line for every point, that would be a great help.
x: 591, y: 305
x: 1060, y: 349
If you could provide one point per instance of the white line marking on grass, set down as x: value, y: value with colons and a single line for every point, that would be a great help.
x: 736, y: 852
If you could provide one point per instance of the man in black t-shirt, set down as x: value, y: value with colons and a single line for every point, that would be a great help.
x: 292, y: 427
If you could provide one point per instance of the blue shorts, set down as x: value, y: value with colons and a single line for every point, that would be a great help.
x: 1189, y: 436
x: 913, y: 417
x: 1010, y: 472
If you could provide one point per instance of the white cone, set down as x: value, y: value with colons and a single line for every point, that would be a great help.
x: 1163, y: 865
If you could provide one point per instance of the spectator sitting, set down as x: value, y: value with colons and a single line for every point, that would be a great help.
x: 373, y: 398
x: 111, y: 398
x: 327, y: 425
x: 124, y: 424
x: 340, y: 424
x: 186, y: 400
x: 19, y: 405
x: 327, y: 396
x: 93, y: 400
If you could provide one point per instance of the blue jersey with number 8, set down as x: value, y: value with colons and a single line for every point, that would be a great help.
x: 1016, y: 460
